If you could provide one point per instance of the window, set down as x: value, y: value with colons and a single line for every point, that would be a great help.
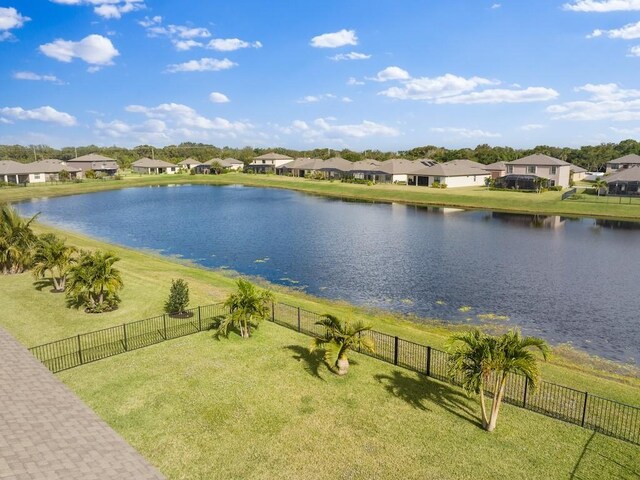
x: 509, y: 168
x: 36, y: 176
x: 531, y: 169
x: 553, y: 170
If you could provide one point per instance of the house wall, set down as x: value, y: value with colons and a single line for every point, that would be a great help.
x: 561, y: 177
x: 463, y: 181
x: 37, y: 177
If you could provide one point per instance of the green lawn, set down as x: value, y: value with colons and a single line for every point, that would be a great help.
x: 467, y: 197
x: 266, y: 408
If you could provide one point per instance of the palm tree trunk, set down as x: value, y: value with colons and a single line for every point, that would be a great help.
x: 483, y: 408
x: 497, y: 401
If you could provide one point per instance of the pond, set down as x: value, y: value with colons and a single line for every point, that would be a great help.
x: 567, y: 280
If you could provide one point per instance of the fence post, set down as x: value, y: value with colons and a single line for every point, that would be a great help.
x: 164, y: 323
x: 124, y: 329
x: 584, y: 408
x: 395, y: 351
x: 526, y: 387
x: 273, y: 312
x: 428, y: 361
x: 199, y: 319
x: 80, y: 351
x: 299, y: 329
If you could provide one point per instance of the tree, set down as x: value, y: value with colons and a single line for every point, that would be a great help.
x: 483, y: 363
x: 340, y: 337
x: 17, y: 241
x: 247, y: 307
x: 598, y: 184
x: 178, y: 297
x: 93, y: 282
x: 54, y: 257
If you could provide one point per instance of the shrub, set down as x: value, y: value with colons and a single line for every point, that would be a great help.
x: 64, y: 175
x: 192, y: 171
x: 90, y: 174
x: 117, y: 176
x: 178, y: 297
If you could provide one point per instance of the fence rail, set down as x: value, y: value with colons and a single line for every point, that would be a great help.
x: 567, y: 404
x: 569, y: 193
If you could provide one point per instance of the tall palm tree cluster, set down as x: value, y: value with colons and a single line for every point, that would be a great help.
x: 483, y: 363
x: 89, y: 278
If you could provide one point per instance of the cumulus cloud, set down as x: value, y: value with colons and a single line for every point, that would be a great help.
x: 605, y: 102
x: 531, y: 126
x: 465, y: 132
x: 10, y: 19
x: 230, y: 44
x: 93, y: 49
x: 634, y: 51
x: 183, y: 37
x: 630, y: 31
x: 322, y: 129
x: 354, y: 81
x: 42, y: 114
x: 455, y: 89
x: 202, y: 65
x: 316, y: 98
x: 36, y: 77
x: 350, y: 56
x: 217, y: 97
x: 336, y: 39
x: 495, y: 6
x: 601, y: 6
x: 108, y: 8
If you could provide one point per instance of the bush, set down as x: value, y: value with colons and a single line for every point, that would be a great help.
x: 557, y: 188
x: 90, y: 174
x: 117, y: 176
x: 178, y: 297
x: 192, y: 171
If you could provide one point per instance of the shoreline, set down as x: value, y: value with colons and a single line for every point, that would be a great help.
x: 467, y: 198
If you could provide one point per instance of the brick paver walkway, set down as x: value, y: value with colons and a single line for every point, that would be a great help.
x: 47, y: 432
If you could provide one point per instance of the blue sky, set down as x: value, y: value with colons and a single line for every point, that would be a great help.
x: 357, y: 74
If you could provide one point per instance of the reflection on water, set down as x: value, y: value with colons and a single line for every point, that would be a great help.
x: 548, y: 274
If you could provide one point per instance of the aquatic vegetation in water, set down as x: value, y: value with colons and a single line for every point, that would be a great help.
x: 261, y: 260
x: 465, y: 308
x: 407, y: 301
x: 492, y: 316
x: 440, y: 302
x: 290, y: 280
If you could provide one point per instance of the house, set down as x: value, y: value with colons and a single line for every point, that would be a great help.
x: 97, y: 163
x: 300, y: 167
x: 152, y: 166
x: 557, y: 172
x: 368, y: 169
x: 36, y: 172
x: 397, y: 170
x: 268, y: 163
x: 455, y: 173
x: 631, y: 160
x: 336, y: 167
x: 578, y: 173
x: 232, y: 163
x: 497, y: 169
x: 13, y: 172
x: 626, y: 182
x: 189, y: 164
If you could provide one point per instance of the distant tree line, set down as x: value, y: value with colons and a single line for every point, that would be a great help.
x: 591, y: 157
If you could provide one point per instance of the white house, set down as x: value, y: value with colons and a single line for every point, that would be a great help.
x: 558, y: 172
x: 36, y: 172
x: 152, y: 166
x: 631, y: 160
x: 232, y: 163
x: 97, y: 163
x: 455, y: 173
x: 189, y: 163
x: 269, y: 162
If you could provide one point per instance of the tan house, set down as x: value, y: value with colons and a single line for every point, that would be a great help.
x: 558, y: 172
x: 42, y: 171
x: 269, y: 162
x: 626, y: 181
x: 301, y: 167
x: 97, y: 163
x: 189, y: 163
x: 578, y: 173
x: 631, y: 160
x: 13, y: 172
x: 455, y: 173
x: 336, y: 167
x: 497, y: 169
x: 232, y: 163
x: 151, y: 166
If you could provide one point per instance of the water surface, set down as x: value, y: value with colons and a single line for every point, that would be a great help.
x: 566, y: 280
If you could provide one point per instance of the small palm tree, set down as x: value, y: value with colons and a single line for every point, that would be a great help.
x: 54, y: 257
x: 17, y: 241
x: 340, y: 337
x: 599, y: 183
x: 93, y: 282
x: 483, y: 363
x: 248, y: 306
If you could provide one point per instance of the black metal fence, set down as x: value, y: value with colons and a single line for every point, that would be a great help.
x: 581, y: 408
x: 88, y: 347
x: 569, y: 193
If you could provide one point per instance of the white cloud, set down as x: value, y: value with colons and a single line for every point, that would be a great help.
x: 323, y: 129
x: 230, y: 44
x: 354, y: 81
x: 108, y: 8
x: 347, y: 100
x: 601, y: 6
x: 93, y: 49
x: 202, y: 65
x: 502, y: 95
x: 531, y: 126
x: 335, y: 40
x: 10, y: 18
x: 183, y: 116
x: 466, y: 132
x: 43, y: 114
x: 183, y: 37
x: 631, y: 31
x: 316, y: 98
x: 350, y: 56
x: 183, y: 45
x: 606, y: 102
x: 36, y: 77
x: 433, y: 88
x: 217, y: 97
x: 634, y: 51
x: 391, y: 73
x: 495, y: 6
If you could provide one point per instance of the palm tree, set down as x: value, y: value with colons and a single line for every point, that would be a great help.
x: 340, y: 337
x: 247, y: 307
x: 93, y: 282
x: 53, y: 256
x: 483, y: 364
x: 599, y: 183
x: 16, y: 241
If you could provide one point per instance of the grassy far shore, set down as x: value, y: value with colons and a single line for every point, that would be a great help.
x: 548, y: 203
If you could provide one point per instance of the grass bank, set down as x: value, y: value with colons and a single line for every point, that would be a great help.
x: 547, y: 203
